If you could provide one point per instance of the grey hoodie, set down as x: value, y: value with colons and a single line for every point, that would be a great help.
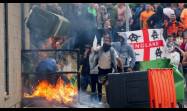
x: 126, y: 52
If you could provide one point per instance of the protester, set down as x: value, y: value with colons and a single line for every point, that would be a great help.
x: 135, y: 25
x: 183, y: 45
x: 156, y: 20
x: 119, y: 27
x: 171, y: 52
x: 179, y: 38
x: 102, y: 17
x: 85, y: 73
x: 172, y: 26
x: 144, y: 16
x: 178, y: 10
x: 126, y: 53
x: 106, y: 59
x: 184, y: 16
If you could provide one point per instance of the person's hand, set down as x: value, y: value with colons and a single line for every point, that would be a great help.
x: 129, y: 69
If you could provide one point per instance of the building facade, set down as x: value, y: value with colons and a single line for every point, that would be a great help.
x: 12, y: 36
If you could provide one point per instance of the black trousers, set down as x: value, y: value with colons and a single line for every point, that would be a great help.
x: 94, y: 82
x: 102, y: 72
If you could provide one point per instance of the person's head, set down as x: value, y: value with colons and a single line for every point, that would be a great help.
x: 107, y: 24
x: 93, y: 5
x: 185, y: 36
x: 122, y: 38
x: 106, y: 42
x: 167, y: 4
x: 107, y: 39
x: 159, y: 11
x: 173, y: 5
x: 148, y: 7
x: 43, y: 6
x: 156, y: 5
x: 181, y: 5
x: 103, y: 9
x: 142, y: 5
x: 120, y: 4
x: 185, y: 5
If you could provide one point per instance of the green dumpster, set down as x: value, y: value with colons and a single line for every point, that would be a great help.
x: 178, y: 76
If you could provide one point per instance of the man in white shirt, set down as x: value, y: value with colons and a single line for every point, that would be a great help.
x: 107, y: 60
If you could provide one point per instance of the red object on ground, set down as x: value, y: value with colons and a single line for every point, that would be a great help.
x: 161, y: 88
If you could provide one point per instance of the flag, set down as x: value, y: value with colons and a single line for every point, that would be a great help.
x: 148, y: 43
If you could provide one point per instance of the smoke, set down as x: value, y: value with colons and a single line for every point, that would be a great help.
x: 85, y: 100
x: 82, y: 31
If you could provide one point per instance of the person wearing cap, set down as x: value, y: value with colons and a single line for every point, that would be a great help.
x: 126, y: 53
x: 172, y: 26
x: 106, y: 58
x: 85, y: 72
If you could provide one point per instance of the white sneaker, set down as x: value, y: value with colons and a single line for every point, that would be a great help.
x: 100, y: 103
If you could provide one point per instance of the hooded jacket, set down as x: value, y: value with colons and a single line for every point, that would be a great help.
x: 126, y: 52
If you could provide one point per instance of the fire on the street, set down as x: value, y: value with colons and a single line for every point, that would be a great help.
x: 61, y: 92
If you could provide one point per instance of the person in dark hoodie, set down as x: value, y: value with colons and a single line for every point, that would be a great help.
x: 156, y: 20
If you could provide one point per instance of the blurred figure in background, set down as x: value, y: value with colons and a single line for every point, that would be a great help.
x: 85, y: 73
x: 144, y: 16
x: 102, y: 16
x: 135, y: 25
x: 183, y: 16
x: 172, y: 26
x: 156, y: 21
x: 178, y: 11
x: 171, y: 53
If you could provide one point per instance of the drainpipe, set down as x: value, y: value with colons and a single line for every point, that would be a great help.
x: 6, y: 49
x: 22, y: 26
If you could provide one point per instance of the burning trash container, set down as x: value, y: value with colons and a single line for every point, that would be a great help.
x: 62, y: 91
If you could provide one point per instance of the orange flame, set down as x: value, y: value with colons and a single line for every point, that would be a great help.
x: 60, y: 92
